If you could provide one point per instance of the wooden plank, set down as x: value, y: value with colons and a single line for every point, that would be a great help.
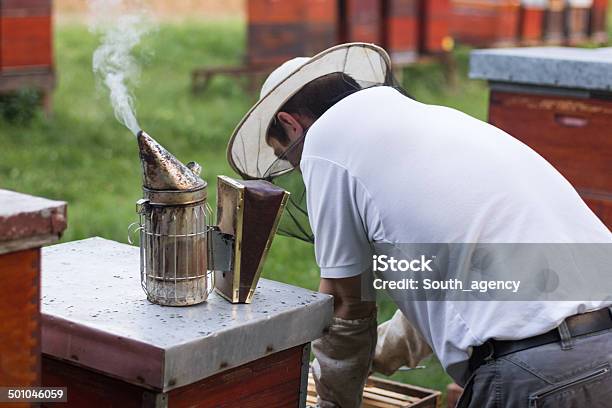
x: 391, y: 394
x: 380, y: 393
x: 381, y: 400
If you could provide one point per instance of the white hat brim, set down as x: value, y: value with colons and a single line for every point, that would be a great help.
x: 248, y: 153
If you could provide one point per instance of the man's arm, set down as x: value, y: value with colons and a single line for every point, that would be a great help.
x: 337, y: 204
x: 344, y: 354
x: 347, y: 297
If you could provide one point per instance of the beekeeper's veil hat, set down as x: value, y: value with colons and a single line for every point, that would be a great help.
x: 248, y: 152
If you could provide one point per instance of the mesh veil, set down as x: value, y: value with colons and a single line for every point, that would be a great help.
x: 250, y: 155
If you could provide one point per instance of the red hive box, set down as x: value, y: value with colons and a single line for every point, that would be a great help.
x: 485, y: 22
x: 570, y: 132
x: 25, y: 34
x: 279, y: 30
x: 401, y: 30
x: 434, y: 34
x: 361, y: 21
x: 26, y: 223
x: 554, y: 24
x: 531, y: 21
x: 577, y: 21
x: 598, y: 26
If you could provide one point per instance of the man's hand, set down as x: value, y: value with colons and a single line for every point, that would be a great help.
x: 399, y: 344
x: 344, y: 355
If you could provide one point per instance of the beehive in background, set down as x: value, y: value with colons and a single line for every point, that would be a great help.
x: 361, y: 21
x: 577, y: 21
x: 554, y: 22
x: 485, y: 23
x: 598, y: 23
x: 434, y: 34
x: 26, y: 223
x: 531, y: 21
x: 25, y: 34
x: 401, y: 30
x: 279, y: 30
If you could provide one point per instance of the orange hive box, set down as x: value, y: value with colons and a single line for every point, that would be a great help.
x: 577, y: 21
x: 361, y: 21
x: 26, y: 223
x: 554, y: 26
x: 434, y: 33
x: 401, y: 31
x: 532, y: 21
x: 280, y: 30
x: 598, y: 25
x: 485, y: 23
x: 25, y: 34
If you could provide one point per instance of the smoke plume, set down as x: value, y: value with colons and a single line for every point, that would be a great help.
x: 121, y: 26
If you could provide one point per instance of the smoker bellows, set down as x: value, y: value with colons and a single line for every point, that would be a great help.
x: 182, y: 255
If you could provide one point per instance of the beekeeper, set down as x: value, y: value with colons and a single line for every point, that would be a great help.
x: 380, y: 167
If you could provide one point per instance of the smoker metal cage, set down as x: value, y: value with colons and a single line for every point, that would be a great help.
x: 174, y: 252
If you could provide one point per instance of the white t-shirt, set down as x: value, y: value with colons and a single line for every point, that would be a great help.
x: 380, y: 167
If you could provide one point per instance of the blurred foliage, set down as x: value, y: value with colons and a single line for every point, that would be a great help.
x: 20, y: 107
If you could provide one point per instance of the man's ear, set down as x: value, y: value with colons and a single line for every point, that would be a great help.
x: 293, y: 129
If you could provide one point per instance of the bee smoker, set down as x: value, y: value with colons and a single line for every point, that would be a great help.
x: 173, y: 228
x: 182, y: 256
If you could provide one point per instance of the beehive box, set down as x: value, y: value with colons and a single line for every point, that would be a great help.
x: 531, y: 21
x: 577, y: 19
x: 401, y: 30
x: 361, y: 21
x: 434, y: 32
x: 25, y: 34
x: 26, y: 223
x: 485, y: 23
x: 554, y: 22
x: 380, y: 393
x: 19, y: 311
x: 279, y: 30
x: 598, y: 23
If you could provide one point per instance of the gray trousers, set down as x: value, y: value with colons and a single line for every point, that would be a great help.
x: 575, y: 372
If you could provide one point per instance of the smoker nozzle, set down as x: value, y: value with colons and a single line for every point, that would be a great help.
x: 162, y: 171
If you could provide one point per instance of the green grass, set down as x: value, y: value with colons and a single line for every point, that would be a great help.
x: 84, y: 156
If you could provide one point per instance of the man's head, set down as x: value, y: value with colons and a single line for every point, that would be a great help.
x: 287, y: 129
x: 293, y: 97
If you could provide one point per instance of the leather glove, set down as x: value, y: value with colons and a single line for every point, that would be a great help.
x: 399, y: 344
x: 343, y: 360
